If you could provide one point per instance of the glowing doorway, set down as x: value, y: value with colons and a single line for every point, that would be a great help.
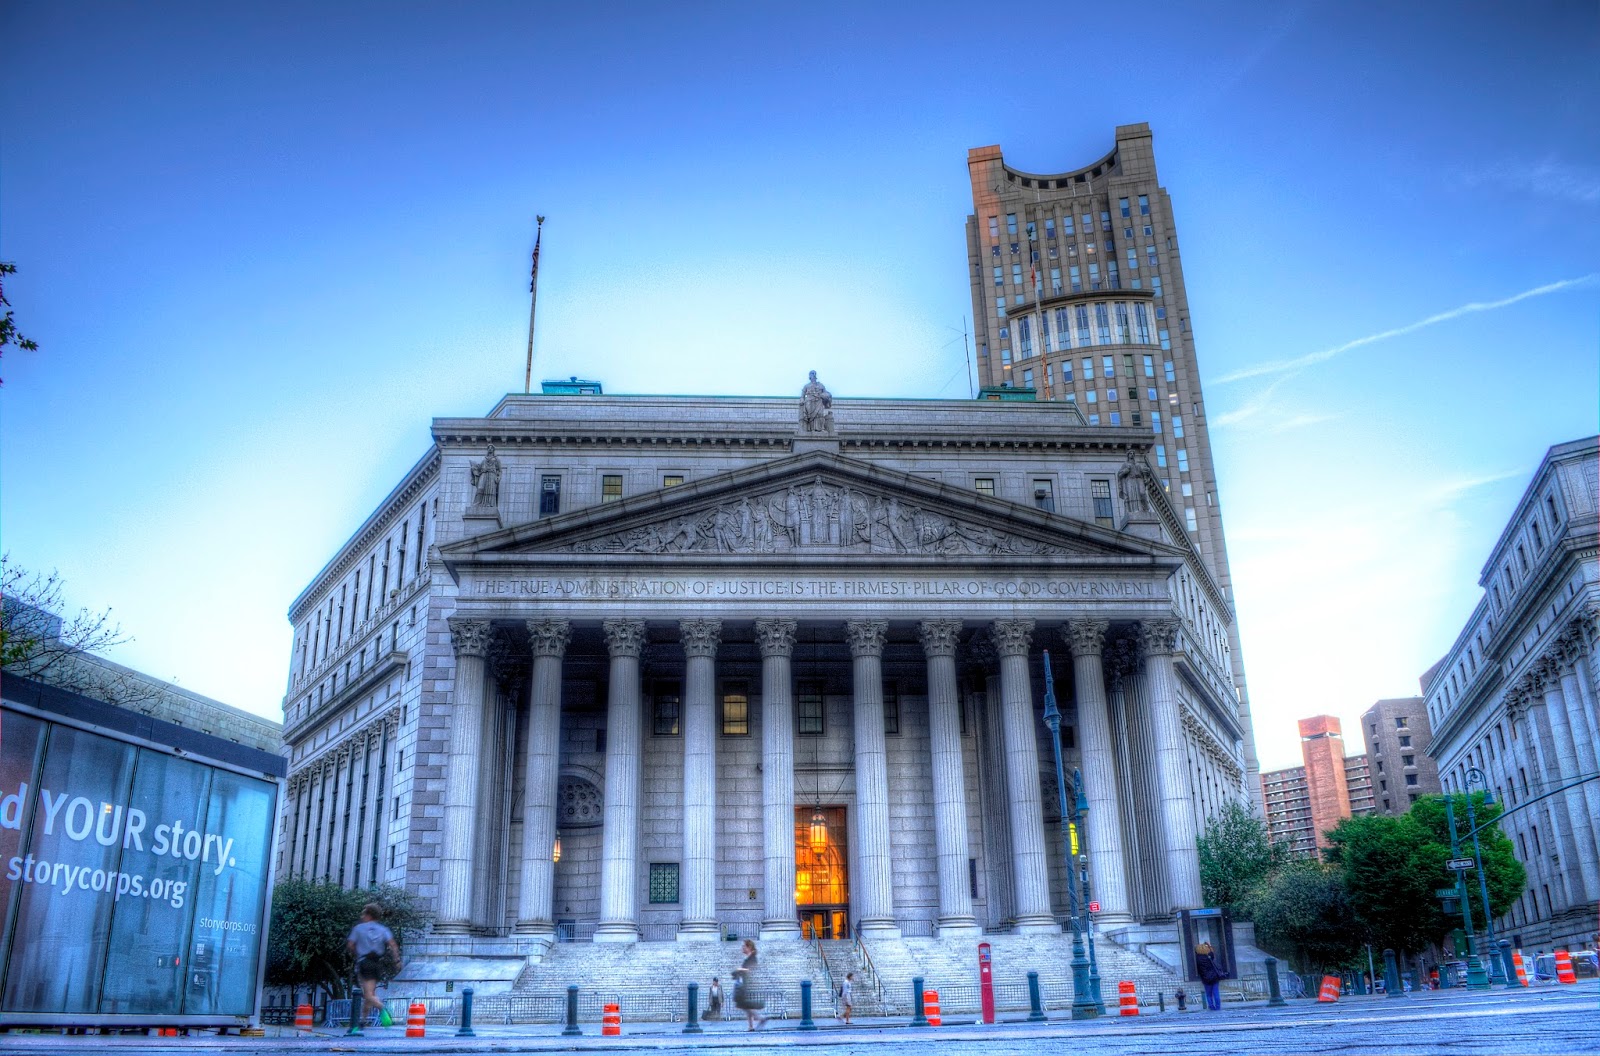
x: 821, y: 877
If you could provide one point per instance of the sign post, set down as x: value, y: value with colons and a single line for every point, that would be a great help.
x: 1461, y: 865
x: 986, y: 982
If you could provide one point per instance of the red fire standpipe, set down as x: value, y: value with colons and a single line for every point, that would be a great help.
x: 986, y: 981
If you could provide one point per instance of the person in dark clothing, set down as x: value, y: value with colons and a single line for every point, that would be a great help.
x: 744, y: 995
x: 1210, y: 973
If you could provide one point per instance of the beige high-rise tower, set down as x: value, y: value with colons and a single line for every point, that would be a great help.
x: 1078, y: 294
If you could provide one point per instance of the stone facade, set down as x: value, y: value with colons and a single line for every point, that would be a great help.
x: 1078, y: 295
x: 685, y: 626
x: 1395, y: 732
x: 1304, y: 802
x: 1515, y: 703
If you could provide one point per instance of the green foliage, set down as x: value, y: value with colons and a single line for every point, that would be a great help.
x: 1236, y: 858
x: 1392, y: 866
x: 9, y: 334
x: 311, y: 922
x: 1304, y: 915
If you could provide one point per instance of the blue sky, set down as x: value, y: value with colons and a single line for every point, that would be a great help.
x: 261, y: 245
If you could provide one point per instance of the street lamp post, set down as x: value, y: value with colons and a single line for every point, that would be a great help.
x: 1476, y: 978
x: 1083, y: 1003
x: 1080, y: 807
x: 1477, y: 778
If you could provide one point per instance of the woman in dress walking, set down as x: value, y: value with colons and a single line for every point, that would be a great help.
x: 744, y: 994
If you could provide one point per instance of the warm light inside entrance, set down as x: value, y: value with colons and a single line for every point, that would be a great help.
x: 819, y: 833
x: 555, y: 852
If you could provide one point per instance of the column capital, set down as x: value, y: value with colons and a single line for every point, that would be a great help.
x: 549, y: 637
x: 775, y: 636
x: 1012, y: 637
x: 866, y: 637
x: 980, y: 652
x: 1085, y: 637
x: 700, y: 637
x: 470, y: 637
x: 624, y: 637
x: 1158, y: 637
x: 1121, y: 659
x: 940, y: 637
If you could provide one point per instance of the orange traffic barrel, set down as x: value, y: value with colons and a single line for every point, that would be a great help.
x: 416, y: 1020
x: 1564, y: 970
x: 1127, y: 998
x: 302, y: 1017
x: 1522, y: 971
x: 1330, y: 989
x: 930, y: 1007
x: 611, y: 1020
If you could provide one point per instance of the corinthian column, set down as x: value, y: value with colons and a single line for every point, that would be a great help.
x: 1086, y: 639
x: 460, y: 807
x: 1583, y: 743
x: 1157, y: 639
x: 939, y: 640
x: 541, y: 777
x: 1033, y: 915
x: 1582, y: 870
x: 619, y: 901
x: 700, y: 640
x: 779, y: 919
x: 866, y: 639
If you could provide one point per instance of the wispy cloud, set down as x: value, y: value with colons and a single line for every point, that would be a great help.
x: 1293, y: 366
x: 1557, y: 180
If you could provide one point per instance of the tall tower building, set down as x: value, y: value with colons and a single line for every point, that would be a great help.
x: 1078, y: 294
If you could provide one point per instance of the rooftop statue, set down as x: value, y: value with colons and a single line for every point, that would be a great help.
x: 816, y: 407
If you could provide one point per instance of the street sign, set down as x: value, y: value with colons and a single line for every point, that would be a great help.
x: 1094, y: 907
x: 1446, y: 892
x: 1461, y: 865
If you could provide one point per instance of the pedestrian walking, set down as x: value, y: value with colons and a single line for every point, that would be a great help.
x: 369, y: 942
x: 714, y: 999
x: 1205, y: 966
x: 744, y: 994
x: 847, y: 996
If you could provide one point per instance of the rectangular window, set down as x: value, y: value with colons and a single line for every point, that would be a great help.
x: 1027, y: 375
x: 1122, y: 330
x: 1066, y: 226
x: 1075, y: 278
x: 984, y: 486
x: 1055, y: 281
x: 1094, y: 278
x: 1032, y: 232
x: 1411, y: 779
x: 1111, y: 395
x: 999, y: 275
x: 994, y: 228
x: 891, y: 708
x: 1094, y: 396
x: 1094, y: 419
x: 1082, y: 311
x: 1133, y: 259
x: 1011, y: 223
x: 1155, y: 421
x: 1066, y: 370
x: 1144, y: 205
x: 1122, y: 204
x: 1102, y: 324
x: 1166, y: 341
x: 1044, y: 495
x: 610, y: 487
x: 1088, y: 222
x: 735, y: 709
x: 549, y: 495
x: 1405, y: 740
x: 1400, y: 722
x: 1088, y: 368
x: 1183, y: 460
x: 1064, y: 332
x: 666, y: 703
x: 808, y: 708
x: 1113, y: 279
x: 1167, y: 369
x: 1155, y: 285
x: 663, y: 883
x: 1408, y: 760
x: 1105, y: 220
x: 1188, y: 516
x: 1161, y: 455
x: 1050, y: 228
x: 1149, y: 361
x: 1016, y: 274
x: 1025, y: 337
x: 1116, y: 417
x: 1177, y: 425
x: 672, y: 480
x: 1100, y: 491
x: 1150, y: 255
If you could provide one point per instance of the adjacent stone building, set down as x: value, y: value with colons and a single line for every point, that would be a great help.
x: 1515, y: 703
x: 1078, y: 293
x: 622, y: 668
x: 1396, y: 731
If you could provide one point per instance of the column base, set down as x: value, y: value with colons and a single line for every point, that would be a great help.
x: 1037, y: 926
x: 534, y: 927
x: 699, y: 931
x: 959, y: 927
x: 617, y: 931
x: 1104, y: 922
x: 779, y: 929
x: 452, y: 927
x: 878, y: 929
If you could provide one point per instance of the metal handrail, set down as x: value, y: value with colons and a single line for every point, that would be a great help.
x: 870, y: 971
x: 827, y: 974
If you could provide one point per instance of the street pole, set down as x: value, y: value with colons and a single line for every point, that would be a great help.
x: 1080, y: 807
x: 1083, y: 1004
x: 1477, y: 979
x: 1477, y: 777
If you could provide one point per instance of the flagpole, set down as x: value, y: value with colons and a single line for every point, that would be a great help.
x: 533, y: 306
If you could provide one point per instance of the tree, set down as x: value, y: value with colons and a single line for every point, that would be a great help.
x: 1393, y: 867
x: 1236, y: 857
x: 37, y: 643
x: 9, y: 334
x: 311, y: 921
x: 1304, y: 914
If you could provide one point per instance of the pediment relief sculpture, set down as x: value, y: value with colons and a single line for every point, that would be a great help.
x: 815, y: 516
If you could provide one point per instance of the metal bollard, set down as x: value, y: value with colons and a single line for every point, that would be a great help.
x: 465, y: 1030
x: 1035, y: 1004
x: 572, y: 1030
x: 1161, y: 999
x: 919, y: 1017
x: 1509, y: 966
x: 1391, y: 976
x: 1274, y: 992
x: 805, y: 1006
x: 692, y: 1023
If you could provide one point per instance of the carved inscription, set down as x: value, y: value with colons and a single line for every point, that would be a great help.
x: 627, y: 588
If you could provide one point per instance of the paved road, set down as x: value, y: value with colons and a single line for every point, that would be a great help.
x: 1552, y: 1020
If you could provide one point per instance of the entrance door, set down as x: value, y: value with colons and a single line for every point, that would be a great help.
x: 821, y: 880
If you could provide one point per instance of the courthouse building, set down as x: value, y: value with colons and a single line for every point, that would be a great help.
x: 1515, y: 704
x: 621, y: 668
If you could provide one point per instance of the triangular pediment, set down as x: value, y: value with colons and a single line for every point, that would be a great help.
x: 819, y: 505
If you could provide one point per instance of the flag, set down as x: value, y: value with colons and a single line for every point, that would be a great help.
x: 533, y: 283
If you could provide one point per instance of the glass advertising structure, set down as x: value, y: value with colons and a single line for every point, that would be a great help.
x: 135, y: 875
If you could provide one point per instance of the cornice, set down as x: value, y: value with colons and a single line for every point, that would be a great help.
x: 317, y: 717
